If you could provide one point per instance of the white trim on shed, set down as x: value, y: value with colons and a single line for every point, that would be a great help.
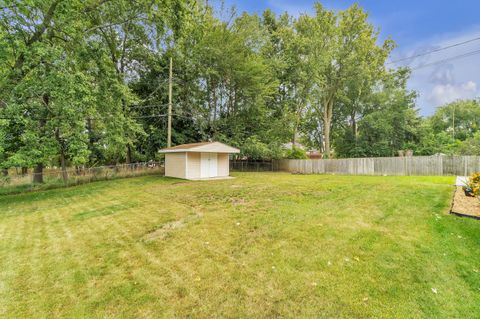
x: 207, y: 160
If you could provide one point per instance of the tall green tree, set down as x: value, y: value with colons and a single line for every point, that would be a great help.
x: 223, y: 84
x: 57, y: 82
x: 131, y: 32
x: 389, y: 121
x: 452, y: 129
x: 461, y: 119
x: 342, y: 54
x: 44, y: 93
x: 85, y: 82
x: 283, y: 52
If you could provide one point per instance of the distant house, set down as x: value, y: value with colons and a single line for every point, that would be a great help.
x: 204, y: 160
x: 314, y: 154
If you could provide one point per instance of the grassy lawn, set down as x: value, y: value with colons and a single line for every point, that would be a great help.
x: 261, y: 245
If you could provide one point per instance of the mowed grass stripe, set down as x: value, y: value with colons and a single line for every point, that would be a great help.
x: 261, y: 245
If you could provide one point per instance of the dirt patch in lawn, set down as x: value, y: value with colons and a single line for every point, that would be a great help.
x: 465, y: 205
x: 165, y: 230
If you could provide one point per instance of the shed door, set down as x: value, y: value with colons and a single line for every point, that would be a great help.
x: 208, y: 165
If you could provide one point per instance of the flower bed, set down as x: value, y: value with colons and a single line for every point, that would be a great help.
x: 466, y: 199
x: 473, y: 185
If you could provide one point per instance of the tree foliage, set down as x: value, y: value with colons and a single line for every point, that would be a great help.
x: 86, y: 83
x: 344, y: 63
x: 452, y: 129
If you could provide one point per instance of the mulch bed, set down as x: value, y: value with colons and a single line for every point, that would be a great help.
x: 465, y: 205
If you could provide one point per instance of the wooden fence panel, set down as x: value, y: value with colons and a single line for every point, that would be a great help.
x: 472, y: 164
x: 389, y: 166
x: 399, y: 166
x: 450, y: 166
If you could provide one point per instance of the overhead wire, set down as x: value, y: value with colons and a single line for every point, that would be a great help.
x: 467, y: 54
x: 135, y: 107
x: 434, y: 50
x: 85, y: 118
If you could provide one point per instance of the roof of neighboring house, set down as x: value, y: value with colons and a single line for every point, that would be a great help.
x: 212, y: 147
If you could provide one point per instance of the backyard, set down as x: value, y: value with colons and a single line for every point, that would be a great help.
x: 260, y: 245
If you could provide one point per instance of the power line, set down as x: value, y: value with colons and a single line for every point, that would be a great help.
x: 434, y: 50
x: 85, y: 118
x: 148, y: 116
x: 471, y: 53
x: 168, y: 81
x: 135, y: 107
x: 160, y: 83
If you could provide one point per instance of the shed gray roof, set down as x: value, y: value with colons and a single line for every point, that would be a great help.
x: 208, y: 147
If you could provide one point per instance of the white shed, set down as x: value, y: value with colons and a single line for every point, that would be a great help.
x: 198, y: 160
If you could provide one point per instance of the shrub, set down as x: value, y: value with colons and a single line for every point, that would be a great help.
x: 296, y: 153
x: 255, y: 149
x: 474, y: 184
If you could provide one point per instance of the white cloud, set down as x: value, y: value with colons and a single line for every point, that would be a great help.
x: 443, y: 74
x: 445, y: 82
x: 446, y: 93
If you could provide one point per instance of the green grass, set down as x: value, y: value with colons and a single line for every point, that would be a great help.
x: 52, y: 179
x: 261, y: 245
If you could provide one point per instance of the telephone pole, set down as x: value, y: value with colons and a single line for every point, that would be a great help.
x: 169, y: 133
x: 453, y: 122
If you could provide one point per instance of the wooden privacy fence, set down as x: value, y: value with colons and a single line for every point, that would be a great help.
x: 416, y: 165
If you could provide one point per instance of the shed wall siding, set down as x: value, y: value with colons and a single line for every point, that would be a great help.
x: 193, y: 165
x: 175, y: 165
x: 223, y: 161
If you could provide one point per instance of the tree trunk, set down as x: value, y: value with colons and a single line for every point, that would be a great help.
x: 129, y: 155
x: 64, y: 166
x: 297, y: 121
x: 354, y: 127
x: 214, y: 122
x: 326, y: 138
x: 24, y: 171
x: 230, y: 100
x: 209, y: 102
x: 38, y: 170
x: 295, y: 130
x: 91, y: 140
x: 327, y: 124
x: 294, y: 137
x: 38, y: 174
x: 63, y: 163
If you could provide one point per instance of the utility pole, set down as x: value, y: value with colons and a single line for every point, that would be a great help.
x: 169, y: 133
x: 453, y: 122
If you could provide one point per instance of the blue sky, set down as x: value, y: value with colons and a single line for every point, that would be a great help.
x: 416, y: 27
